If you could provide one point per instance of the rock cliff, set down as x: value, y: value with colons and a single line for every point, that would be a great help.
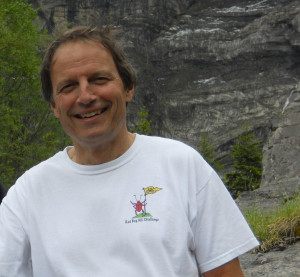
x: 277, y: 263
x: 210, y: 66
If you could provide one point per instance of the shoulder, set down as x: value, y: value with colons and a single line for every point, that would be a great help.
x: 41, y: 172
x: 172, y: 152
x: 166, y: 144
x: 51, y: 163
x: 36, y: 177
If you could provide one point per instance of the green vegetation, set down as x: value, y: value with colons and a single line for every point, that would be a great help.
x: 209, y: 152
x: 275, y: 227
x: 247, y: 155
x: 143, y: 215
x: 143, y: 126
x: 29, y: 132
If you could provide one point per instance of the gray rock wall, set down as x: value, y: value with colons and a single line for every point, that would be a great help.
x: 210, y: 66
x: 272, y: 264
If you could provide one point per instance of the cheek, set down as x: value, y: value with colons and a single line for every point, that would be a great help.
x: 113, y: 92
x: 64, y: 102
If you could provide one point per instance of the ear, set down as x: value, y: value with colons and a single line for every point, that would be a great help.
x: 129, y: 94
x: 55, y: 110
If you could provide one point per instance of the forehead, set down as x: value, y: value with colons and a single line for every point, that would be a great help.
x: 80, y: 51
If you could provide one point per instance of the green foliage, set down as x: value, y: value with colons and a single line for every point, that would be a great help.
x: 247, y: 155
x: 143, y: 126
x: 27, y: 126
x: 209, y: 152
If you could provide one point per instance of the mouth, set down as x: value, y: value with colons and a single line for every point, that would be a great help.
x: 91, y: 114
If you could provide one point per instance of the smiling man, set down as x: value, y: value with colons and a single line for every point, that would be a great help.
x: 77, y: 213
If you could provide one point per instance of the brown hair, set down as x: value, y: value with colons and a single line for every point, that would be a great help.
x: 103, y: 36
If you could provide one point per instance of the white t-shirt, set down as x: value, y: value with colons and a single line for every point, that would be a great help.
x: 158, y: 210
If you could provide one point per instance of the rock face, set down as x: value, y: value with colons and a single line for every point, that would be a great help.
x: 272, y: 264
x: 281, y: 156
x: 210, y: 66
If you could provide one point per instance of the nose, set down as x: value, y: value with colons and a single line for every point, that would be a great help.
x: 86, y: 95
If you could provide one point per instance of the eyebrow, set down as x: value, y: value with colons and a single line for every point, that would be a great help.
x: 102, y: 72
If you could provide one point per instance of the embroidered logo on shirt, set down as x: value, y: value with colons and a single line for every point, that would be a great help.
x: 140, y: 207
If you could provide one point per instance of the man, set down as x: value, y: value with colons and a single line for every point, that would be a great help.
x: 115, y: 203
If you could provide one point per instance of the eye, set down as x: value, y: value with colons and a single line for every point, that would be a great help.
x: 66, y: 88
x: 100, y: 80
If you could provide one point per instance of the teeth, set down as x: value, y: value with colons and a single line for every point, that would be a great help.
x: 85, y: 115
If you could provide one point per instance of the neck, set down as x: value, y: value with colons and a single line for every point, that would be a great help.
x: 103, y: 153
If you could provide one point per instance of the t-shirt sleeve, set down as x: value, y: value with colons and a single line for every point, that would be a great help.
x: 221, y: 232
x: 15, y: 255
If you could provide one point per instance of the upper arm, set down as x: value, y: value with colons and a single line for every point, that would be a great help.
x: 230, y: 269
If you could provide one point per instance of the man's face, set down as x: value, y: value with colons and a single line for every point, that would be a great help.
x: 89, y: 95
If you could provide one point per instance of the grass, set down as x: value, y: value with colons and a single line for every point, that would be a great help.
x: 280, y: 226
x: 143, y: 215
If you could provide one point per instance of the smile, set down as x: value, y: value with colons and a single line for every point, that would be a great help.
x: 91, y: 114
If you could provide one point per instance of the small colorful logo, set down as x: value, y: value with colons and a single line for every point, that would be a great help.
x: 140, y: 206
